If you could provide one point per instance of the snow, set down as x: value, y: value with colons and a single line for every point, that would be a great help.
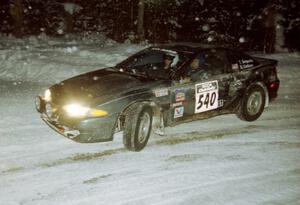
x: 52, y: 60
x: 71, y: 8
x: 210, y: 38
x: 242, y: 40
x: 217, y: 161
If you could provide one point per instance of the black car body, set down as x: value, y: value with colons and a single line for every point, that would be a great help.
x: 139, y: 94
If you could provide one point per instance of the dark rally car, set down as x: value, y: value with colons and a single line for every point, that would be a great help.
x: 158, y: 87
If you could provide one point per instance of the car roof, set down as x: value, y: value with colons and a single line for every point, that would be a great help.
x: 187, y: 47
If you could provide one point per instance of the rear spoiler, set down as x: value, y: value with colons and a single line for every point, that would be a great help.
x: 266, y: 61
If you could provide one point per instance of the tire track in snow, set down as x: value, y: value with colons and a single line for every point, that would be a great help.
x: 263, y: 176
x: 166, y: 140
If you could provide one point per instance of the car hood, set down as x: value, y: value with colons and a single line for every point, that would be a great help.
x: 98, y: 87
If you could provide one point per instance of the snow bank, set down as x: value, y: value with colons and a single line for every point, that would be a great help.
x: 50, y: 60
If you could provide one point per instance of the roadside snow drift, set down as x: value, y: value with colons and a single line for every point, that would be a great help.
x: 44, y: 59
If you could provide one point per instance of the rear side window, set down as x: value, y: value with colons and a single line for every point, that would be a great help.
x: 216, y: 61
x: 211, y: 61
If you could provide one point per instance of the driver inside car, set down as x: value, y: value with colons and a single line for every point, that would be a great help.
x: 170, y: 61
x: 167, y: 66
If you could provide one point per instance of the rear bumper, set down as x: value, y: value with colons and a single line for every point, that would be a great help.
x: 273, y: 89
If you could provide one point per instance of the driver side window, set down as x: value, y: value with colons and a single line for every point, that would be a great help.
x: 147, y: 58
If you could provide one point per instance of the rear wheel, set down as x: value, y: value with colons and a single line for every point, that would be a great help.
x: 253, y: 103
x: 137, y: 126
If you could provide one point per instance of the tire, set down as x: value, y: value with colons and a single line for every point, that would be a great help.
x: 252, y: 104
x: 137, y: 126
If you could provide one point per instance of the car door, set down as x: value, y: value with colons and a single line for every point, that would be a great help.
x: 201, y: 94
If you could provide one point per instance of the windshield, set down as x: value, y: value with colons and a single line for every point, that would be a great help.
x: 154, y: 63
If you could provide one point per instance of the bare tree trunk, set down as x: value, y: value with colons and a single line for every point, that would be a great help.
x: 279, y: 42
x: 16, y: 11
x: 131, y: 15
x: 69, y: 22
x: 270, y: 29
x: 140, y: 23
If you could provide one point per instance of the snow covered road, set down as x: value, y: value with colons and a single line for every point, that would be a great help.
x: 217, y: 161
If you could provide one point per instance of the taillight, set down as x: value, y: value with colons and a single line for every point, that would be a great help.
x: 274, y: 86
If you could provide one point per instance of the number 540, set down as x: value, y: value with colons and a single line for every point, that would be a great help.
x: 206, y: 99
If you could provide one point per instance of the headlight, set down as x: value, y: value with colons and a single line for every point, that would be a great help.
x: 47, y: 95
x: 76, y: 110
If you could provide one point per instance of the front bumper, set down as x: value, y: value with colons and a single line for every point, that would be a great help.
x: 88, y: 130
x: 64, y: 130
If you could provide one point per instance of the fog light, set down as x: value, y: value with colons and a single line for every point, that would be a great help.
x: 38, y: 103
x: 48, y: 110
x: 47, y: 95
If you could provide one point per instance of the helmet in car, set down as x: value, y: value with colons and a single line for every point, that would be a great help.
x: 173, y: 57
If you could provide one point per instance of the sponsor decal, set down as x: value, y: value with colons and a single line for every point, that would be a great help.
x: 179, y: 95
x: 238, y: 83
x: 220, y: 103
x: 161, y: 92
x: 207, y: 96
x: 178, y: 112
x: 177, y: 104
x: 246, y: 63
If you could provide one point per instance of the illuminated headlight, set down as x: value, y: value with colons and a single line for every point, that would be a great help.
x: 76, y: 110
x: 47, y: 95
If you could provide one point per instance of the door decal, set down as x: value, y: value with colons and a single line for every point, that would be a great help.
x: 179, y: 95
x: 161, y: 92
x: 178, y: 112
x: 207, y: 96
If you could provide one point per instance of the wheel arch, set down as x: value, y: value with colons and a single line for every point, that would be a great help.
x: 243, y: 110
x: 260, y: 83
x: 156, y: 110
x: 258, y: 79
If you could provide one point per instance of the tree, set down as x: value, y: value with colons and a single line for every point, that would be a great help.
x: 291, y: 22
x: 16, y: 12
x: 270, y: 29
x: 70, y: 10
x: 140, y: 20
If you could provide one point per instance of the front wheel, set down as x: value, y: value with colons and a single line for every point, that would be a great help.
x: 252, y: 104
x: 137, y: 126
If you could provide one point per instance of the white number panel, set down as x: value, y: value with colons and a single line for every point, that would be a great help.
x: 207, y: 95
